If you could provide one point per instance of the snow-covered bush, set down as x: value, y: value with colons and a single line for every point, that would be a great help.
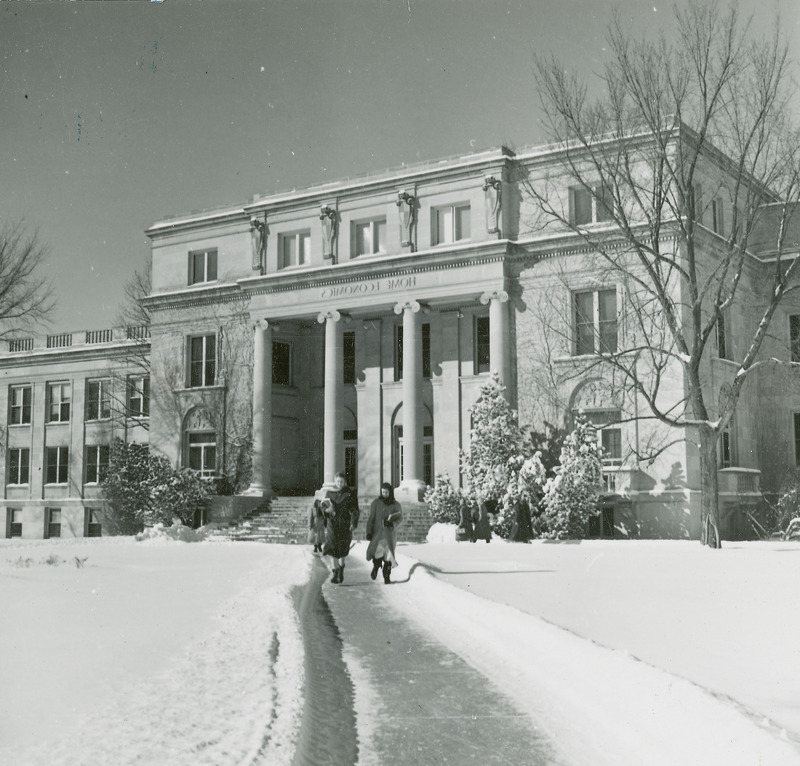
x: 570, y: 497
x: 446, y: 502
x: 141, y: 489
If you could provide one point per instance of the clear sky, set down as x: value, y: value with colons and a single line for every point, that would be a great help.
x: 114, y: 115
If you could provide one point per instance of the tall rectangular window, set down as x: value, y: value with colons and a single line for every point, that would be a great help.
x: 726, y: 448
x: 482, y: 349
x: 426, y: 350
x: 717, y: 215
x: 203, y: 453
x: 98, y: 399
x: 281, y: 363
x: 139, y: 396
x: 370, y: 237
x: 96, y: 463
x: 202, y: 360
x: 202, y: 266
x: 93, y: 526
x: 797, y: 438
x: 57, y: 465
x: 20, y: 405
x: 58, y: 400
x: 52, y: 518
x: 294, y: 249
x: 398, y: 352
x: 18, y: 466
x: 595, y: 322
x: 14, y: 522
x: 723, y: 343
x: 794, y: 337
x: 349, y: 357
x: 451, y: 224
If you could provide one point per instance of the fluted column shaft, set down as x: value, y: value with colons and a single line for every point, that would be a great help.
x: 412, y: 396
x: 261, y: 479
x: 499, y: 359
x: 333, y: 460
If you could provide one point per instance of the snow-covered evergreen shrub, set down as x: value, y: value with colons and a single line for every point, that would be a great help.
x: 446, y: 502
x: 494, y: 447
x: 141, y: 489
x: 570, y: 497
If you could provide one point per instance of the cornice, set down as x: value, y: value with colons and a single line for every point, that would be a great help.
x: 70, y: 354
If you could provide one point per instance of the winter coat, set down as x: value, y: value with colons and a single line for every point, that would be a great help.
x: 383, y: 538
x: 481, y: 529
x: 316, y: 524
x: 342, y: 518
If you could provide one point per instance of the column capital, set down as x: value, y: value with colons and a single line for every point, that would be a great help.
x: 264, y: 324
x: 333, y: 315
x: 496, y: 295
x: 412, y: 306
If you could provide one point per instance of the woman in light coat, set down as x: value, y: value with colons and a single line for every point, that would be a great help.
x: 385, y: 514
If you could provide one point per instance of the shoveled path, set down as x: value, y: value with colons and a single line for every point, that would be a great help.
x: 416, y: 701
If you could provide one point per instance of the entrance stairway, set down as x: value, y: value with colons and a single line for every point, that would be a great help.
x: 281, y: 520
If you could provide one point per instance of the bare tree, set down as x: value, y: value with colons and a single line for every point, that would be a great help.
x: 26, y: 297
x: 689, y: 159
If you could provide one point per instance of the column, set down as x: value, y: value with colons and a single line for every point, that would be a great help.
x: 413, y: 483
x: 261, y: 480
x: 498, y: 333
x: 333, y: 461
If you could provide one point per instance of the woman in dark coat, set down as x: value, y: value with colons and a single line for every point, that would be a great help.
x: 341, y: 509
x: 385, y: 514
x: 481, y: 529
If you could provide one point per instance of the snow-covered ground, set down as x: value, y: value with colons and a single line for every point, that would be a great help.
x: 163, y: 652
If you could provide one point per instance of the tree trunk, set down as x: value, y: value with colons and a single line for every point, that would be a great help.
x: 709, y: 489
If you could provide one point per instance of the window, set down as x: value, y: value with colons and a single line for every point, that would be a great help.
x: 797, y: 438
x: 696, y: 202
x: 794, y: 337
x: 590, y: 205
x: 203, y: 453
x: 349, y: 357
x: 717, y: 215
x: 398, y: 351
x: 370, y: 237
x: 96, y: 463
x: 295, y: 249
x: 98, y: 399
x: 723, y: 345
x: 57, y: 465
x: 58, y: 398
x: 20, y: 400
x: 609, y: 434
x: 596, y: 322
x: 451, y: 224
x: 202, y: 266
x: 139, y: 396
x: 18, y: 466
x: 281, y: 363
x: 726, y: 447
x: 14, y: 522
x: 202, y: 360
x: 52, y: 520
x: 482, y: 345
x: 93, y: 526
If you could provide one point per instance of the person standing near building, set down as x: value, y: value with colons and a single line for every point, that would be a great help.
x: 341, y: 510
x: 481, y: 528
x: 316, y: 526
x: 385, y: 514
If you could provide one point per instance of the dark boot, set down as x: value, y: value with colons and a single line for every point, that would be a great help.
x: 387, y: 571
x: 376, y: 565
x: 341, y: 574
x: 335, y: 577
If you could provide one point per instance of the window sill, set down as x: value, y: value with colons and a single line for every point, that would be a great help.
x: 19, y: 425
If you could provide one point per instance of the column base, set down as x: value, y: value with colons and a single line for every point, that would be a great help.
x: 411, y: 491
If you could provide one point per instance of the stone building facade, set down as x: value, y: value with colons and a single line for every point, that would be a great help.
x: 350, y: 326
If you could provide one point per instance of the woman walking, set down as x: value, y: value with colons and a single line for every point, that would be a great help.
x: 316, y: 526
x: 341, y: 509
x: 385, y: 514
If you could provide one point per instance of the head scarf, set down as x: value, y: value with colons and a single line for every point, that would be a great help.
x: 388, y: 500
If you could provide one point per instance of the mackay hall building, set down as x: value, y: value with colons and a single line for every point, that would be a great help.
x: 350, y: 326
